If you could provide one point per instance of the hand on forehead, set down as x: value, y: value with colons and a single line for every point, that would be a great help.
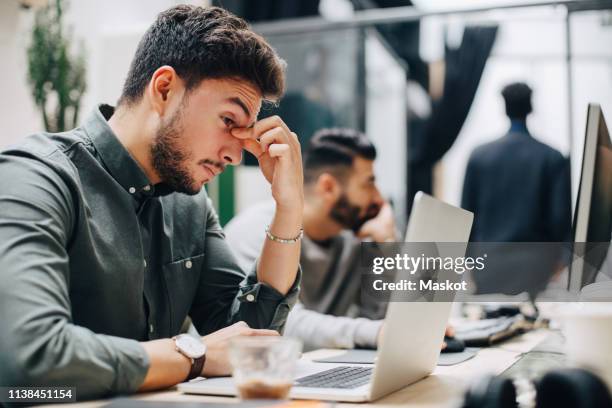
x: 266, y: 128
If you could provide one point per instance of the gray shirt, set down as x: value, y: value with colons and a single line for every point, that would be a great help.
x: 332, y: 311
x: 94, y: 259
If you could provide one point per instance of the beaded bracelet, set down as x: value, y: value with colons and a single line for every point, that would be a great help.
x: 274, y: 238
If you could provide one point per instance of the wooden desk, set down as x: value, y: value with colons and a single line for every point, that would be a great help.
x: 444, y: 388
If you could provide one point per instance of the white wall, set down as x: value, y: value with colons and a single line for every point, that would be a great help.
x: 591, y: 73
x: 386, y: 121
x: 18, y: 115
x: 250, y: 187
x: 112, y: 29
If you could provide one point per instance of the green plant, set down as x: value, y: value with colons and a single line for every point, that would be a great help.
x: 56, y: 76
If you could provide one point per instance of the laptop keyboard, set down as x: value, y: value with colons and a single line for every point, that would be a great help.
x: 340, y: 377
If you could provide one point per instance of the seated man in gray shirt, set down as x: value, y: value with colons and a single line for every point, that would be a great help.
x: 342, y: 207
x: 108, y: 240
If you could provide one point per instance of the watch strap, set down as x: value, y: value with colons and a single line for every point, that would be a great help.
x: 197, y: 364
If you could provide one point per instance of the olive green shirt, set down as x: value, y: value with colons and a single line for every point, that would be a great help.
x: 95, y: 259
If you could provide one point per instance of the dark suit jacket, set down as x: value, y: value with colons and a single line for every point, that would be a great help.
x: 519, y: 190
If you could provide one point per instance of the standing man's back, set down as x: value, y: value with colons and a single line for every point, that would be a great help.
x: 518, y: 187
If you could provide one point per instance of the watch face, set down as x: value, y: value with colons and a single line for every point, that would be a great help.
x: 190, y: 346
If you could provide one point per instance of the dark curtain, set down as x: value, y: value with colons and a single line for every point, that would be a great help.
x: 270, y: 10
x: 431, y: 138
x: 403, y: 38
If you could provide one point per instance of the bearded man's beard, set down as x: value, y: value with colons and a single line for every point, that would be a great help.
x: 170, y: 159
x: 348, y: 215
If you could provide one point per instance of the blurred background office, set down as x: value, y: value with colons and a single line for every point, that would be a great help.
x: 422, y: 78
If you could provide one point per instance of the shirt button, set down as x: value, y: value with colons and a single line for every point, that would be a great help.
x: 132, y: 190
x: 147, y: 188
x: 151, y: 328
x: 188, y: 264
x: 250, y: 297
x: 144, y: 262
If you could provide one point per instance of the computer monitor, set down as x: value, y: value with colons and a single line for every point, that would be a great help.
x: 592, y: 226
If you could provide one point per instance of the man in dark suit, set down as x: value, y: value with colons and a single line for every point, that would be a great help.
x: 518, y: 187
x: 519, y: 191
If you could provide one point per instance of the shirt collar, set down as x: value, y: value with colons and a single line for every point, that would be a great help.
x: 116, y: 158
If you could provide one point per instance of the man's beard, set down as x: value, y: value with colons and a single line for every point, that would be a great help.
x: 348, y: 215
x: 169, y: 159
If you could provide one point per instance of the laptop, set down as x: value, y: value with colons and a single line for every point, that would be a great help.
x: 410, y: 346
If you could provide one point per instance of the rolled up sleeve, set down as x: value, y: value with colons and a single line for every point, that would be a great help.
x: 39, y: 344
x: 261, y: 303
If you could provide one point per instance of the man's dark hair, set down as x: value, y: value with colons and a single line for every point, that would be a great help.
x: 333, y: 151
x: 518, y: 100
x: 204, y: 43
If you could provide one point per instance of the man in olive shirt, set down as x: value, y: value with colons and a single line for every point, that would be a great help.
x: 107, y: 239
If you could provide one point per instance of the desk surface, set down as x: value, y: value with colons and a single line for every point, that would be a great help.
x: 444, y: 388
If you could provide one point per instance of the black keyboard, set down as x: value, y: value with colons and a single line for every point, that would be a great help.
x: 339, y: 377
x: 484, y: 333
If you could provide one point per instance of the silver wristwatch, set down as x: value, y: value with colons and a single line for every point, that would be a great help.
x: 195, y: 350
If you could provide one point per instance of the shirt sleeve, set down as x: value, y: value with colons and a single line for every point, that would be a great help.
x: 227, y: 295
x: 39, y: 344
x: 317, y: 330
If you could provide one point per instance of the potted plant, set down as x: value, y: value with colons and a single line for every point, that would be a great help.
x: 56, y: 76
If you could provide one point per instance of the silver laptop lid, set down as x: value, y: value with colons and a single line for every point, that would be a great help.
x: 414, y: 331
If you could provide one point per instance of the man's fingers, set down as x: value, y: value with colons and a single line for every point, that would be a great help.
x: 249, y: 140
x: 262, y: 332
x: 295, y: 142
x: 268, y: 131
x: 259, y: 128
x: 363, y: 232
x: 251, y: 146
x: 278, y: 135
x: 262, y: 126
x: 279, y: 150
x: 278, y: 138
x: 257, y: 147
x: 228, y: 332
x: 275, y: 135
x: 243, y: 133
